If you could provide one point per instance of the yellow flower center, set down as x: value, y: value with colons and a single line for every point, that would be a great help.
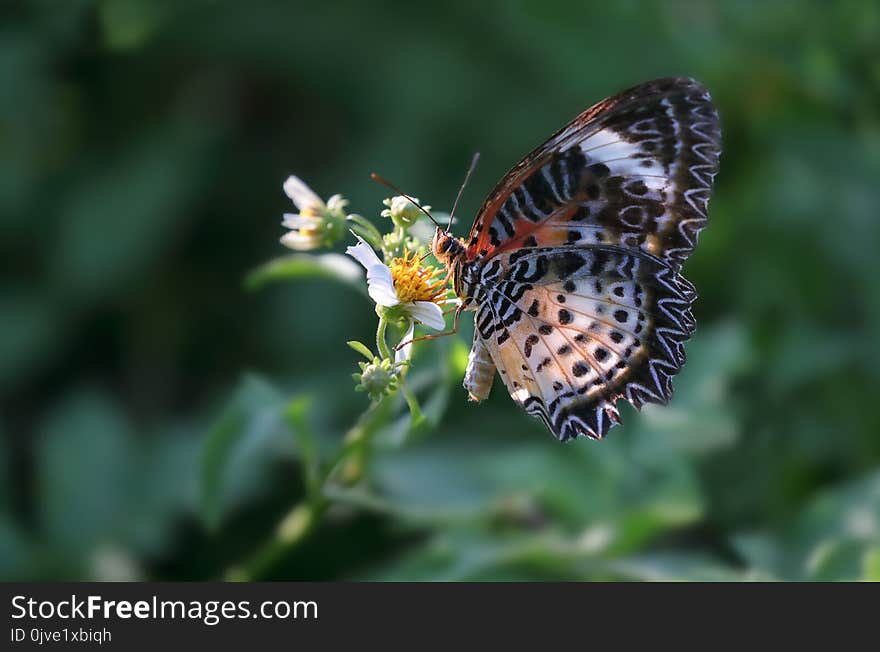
x: 415, y: 283
x: 313, y: 221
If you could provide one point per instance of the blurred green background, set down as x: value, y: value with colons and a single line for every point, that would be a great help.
x: 144, y: 389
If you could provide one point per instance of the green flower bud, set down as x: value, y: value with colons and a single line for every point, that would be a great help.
x: 402, y: 211
x: 377, y: 378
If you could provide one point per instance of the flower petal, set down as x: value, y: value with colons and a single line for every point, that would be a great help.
x: 405, y: 352
x: 380, y: 285
x: 293, y: 221
x: 337, y: 203
x: 364, y: 254
x: 430, y: 314
x: 296, y: 240
x: 301, y: 194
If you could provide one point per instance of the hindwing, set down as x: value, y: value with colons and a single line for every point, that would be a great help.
x: 572, y: 330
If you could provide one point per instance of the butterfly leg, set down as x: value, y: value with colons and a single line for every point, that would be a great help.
x: 434, y: 336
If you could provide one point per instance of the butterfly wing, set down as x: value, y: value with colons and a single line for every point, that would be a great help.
x: 635, y: 171
x: 572, y: 330
x: 581, y: 246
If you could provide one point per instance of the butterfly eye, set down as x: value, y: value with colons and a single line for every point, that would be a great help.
x: 441, y: 242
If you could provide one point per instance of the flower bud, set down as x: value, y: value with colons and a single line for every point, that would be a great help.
x: 402, y: 211
x: 377, y: 378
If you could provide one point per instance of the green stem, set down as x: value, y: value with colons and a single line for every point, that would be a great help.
x: 416, y: 416
x: 296, y: 526
x: 295, y: 412
x: 381, y: 344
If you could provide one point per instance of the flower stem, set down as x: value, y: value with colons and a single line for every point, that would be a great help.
x: 416, y: 416
x: 381, y: 344
x: 296, y: 526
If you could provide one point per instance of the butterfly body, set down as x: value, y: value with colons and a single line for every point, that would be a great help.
x: 573, y: 262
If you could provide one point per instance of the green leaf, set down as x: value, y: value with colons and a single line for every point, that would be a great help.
x: 700, y: 420
x: 365, y: 229
x: 446, y: 478
x: 254, y: 413
x: 835, y: 537
x: 16, y: 552
x: 334, y: 267
x: 15, y: 549
x: 871, y: 564
x: 153, y: 181
x: 102, y: 485
x: 86, y: 471
x: 458, y: 358
x: 362, y: 349
x: 30, y: 332
x: 677, y: 566
x: 296, y: 414
x: 431, y: 382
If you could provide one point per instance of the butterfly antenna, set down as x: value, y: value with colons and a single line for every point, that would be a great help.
x: 385, y: 182
x: 461, y: 190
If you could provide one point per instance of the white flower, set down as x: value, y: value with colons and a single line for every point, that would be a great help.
x: 413, y: 290
x: 317, y: 224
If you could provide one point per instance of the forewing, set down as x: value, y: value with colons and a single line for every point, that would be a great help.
x: 572, y: 330
x: 635, y: 171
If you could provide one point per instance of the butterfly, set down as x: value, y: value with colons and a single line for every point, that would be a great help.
x: 573, y: 263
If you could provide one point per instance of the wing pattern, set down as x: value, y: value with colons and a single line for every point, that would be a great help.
x: 634, y: 171
x: 571, y: 330
x: 574, y: 260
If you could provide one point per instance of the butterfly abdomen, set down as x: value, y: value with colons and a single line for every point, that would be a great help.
x: 480, y: 372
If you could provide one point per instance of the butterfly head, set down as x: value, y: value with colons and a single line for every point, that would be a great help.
x: 446, y: 247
